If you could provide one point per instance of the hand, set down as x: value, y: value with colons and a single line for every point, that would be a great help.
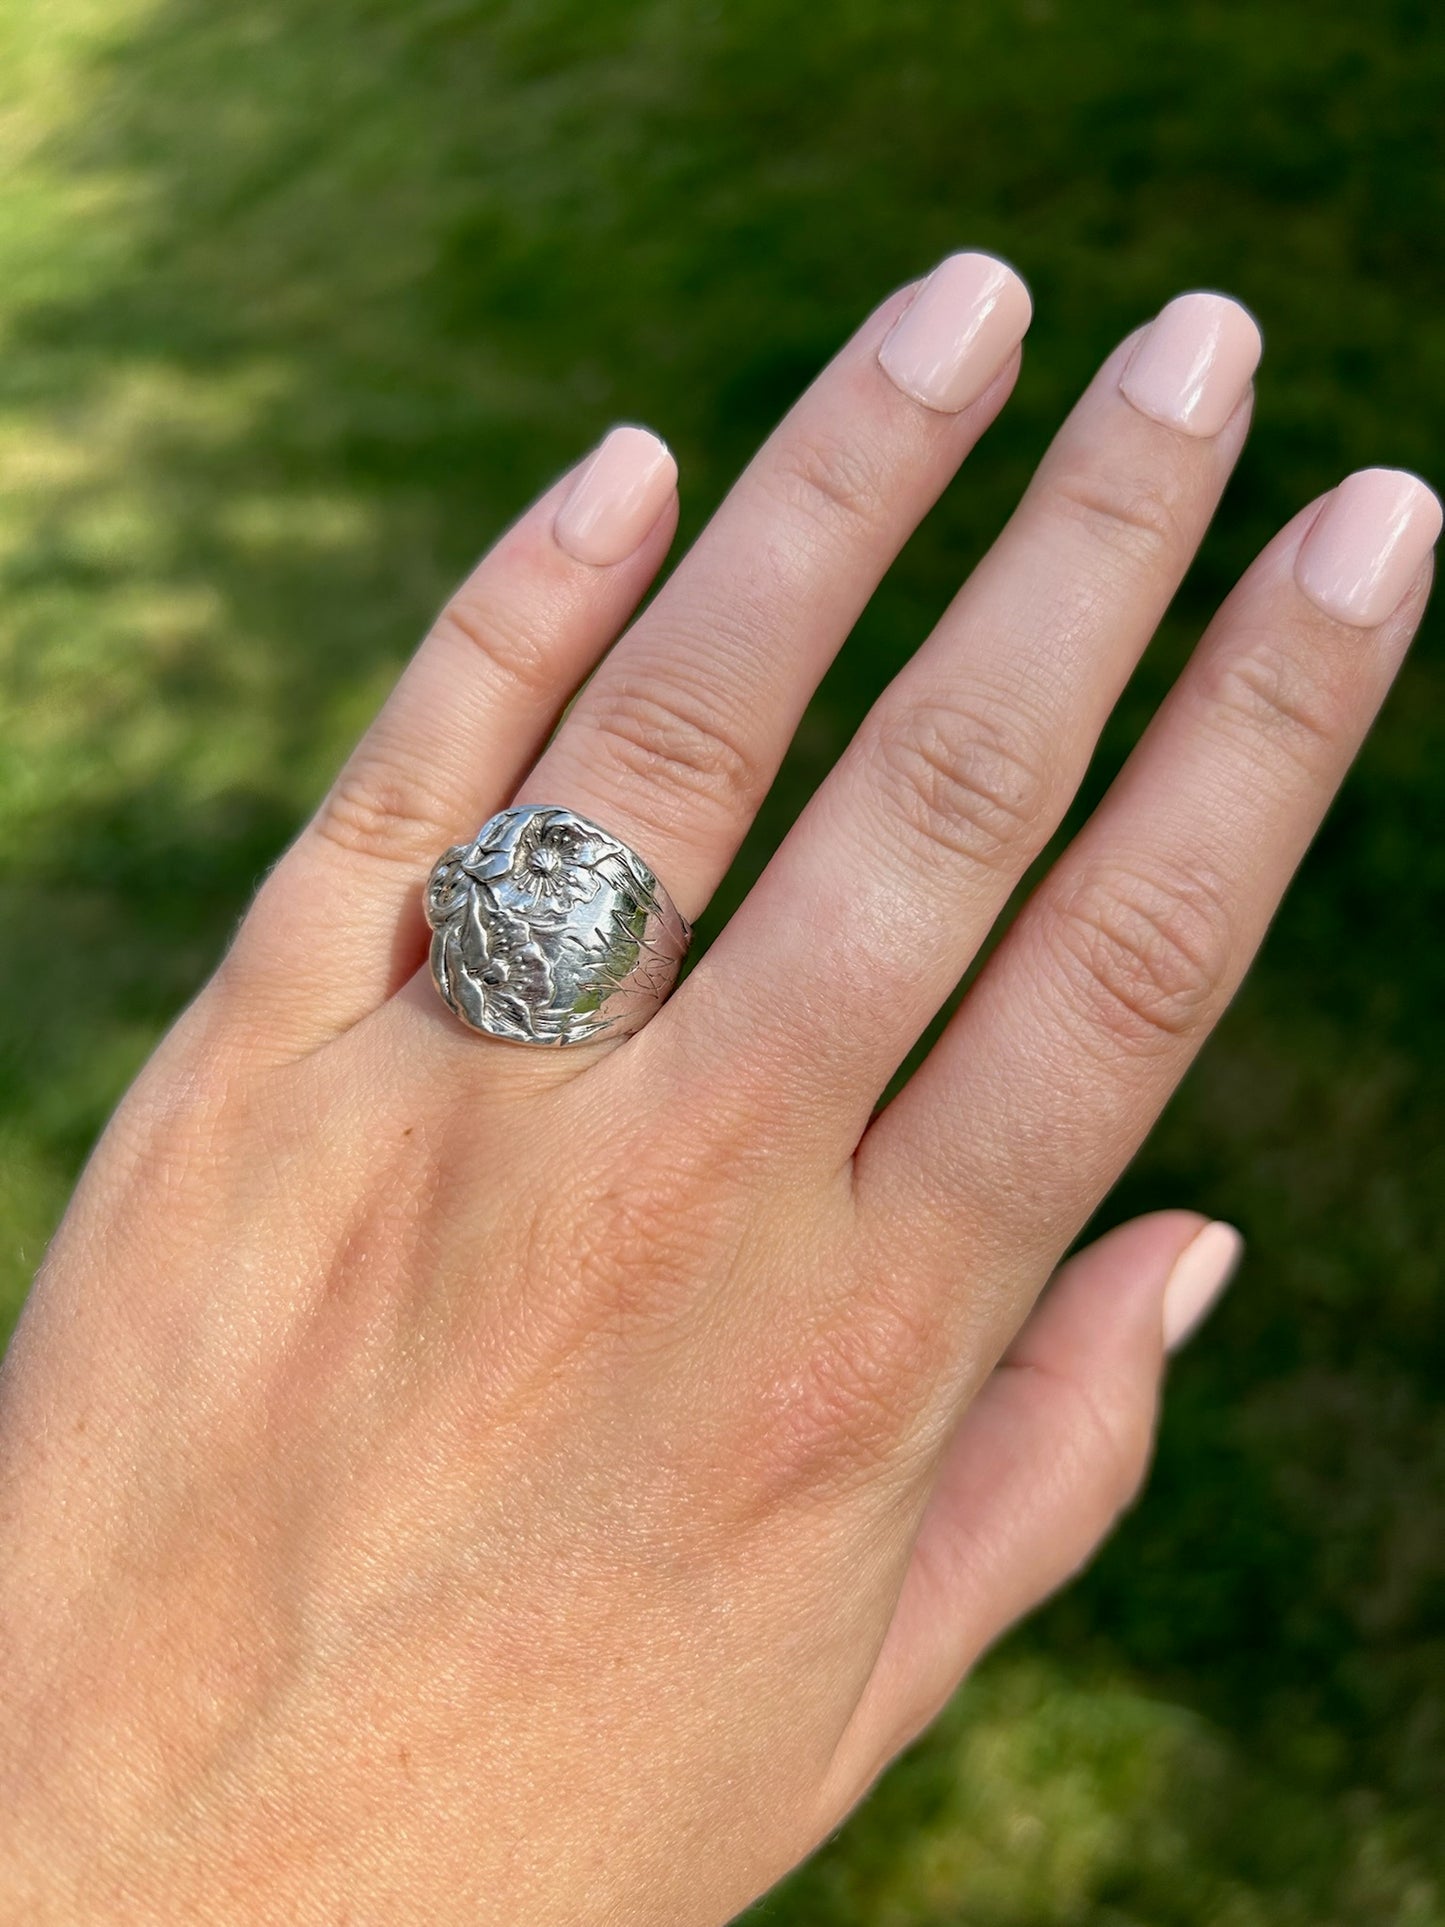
x: 450, y: 1482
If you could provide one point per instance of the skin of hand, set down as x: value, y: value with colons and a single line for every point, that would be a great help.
x: 446, y: 1481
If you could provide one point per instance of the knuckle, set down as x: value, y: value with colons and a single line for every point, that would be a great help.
x: 639, y: 1244
x: 515, y: 652
x: 962, y: 783
x: 829, y: 479
x: 1133, y: 513
x: 663, y: 734
x: 1146, y: 955
x: 628, y: 1261
x: 851, y: 1398
x: 1278, y: 699
x: 375, y: 810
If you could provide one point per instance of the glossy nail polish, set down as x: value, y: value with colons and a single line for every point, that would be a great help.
x: 1200, y: 1274
x: 957, y: 332
x: 1193, y: 363
x: 617, y: 497
x: 1367, y: 545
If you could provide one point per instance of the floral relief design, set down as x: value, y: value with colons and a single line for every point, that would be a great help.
x: 512, y: 972
x: 551, y: 869
x: 546, y: 930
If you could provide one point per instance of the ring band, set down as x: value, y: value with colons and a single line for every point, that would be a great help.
x: 546, y: 929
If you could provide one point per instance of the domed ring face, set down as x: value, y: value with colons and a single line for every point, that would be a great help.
x: 548, y: 930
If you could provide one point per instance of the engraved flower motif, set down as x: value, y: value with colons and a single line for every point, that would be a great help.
x: 551, y: 869
x: 447, y: 887
x: 512, y: 974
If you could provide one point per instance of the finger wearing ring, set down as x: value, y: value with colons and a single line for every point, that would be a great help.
x: 547, y: 929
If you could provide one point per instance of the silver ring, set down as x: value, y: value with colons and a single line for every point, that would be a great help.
x: 546, y: 929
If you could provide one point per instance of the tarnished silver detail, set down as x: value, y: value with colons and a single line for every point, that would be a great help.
x: 547, y: 930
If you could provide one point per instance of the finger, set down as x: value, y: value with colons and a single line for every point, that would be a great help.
x: 1084, y: 1019
x: 1051, y: 1451
x: 877, y: 901
x: 675, y: 741
x: 335, y: 928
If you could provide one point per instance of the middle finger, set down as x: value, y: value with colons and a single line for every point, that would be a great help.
x: 676, y: 739
x: 881, y: 895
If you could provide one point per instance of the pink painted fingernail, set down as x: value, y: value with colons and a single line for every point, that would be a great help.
x: 1367, y: 545
x: 1193, y: 363
x: 957, y: 332
x: 1201, y: 1271
x: 618, y: 496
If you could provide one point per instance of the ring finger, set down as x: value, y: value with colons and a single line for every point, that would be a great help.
x: 474, y: 704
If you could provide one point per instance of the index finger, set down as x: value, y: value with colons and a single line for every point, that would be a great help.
x: 1083, y: 1021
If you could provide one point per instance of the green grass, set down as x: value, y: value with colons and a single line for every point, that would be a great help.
x: 299, y: 303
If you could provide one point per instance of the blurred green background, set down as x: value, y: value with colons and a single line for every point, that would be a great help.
x: 301, y: 302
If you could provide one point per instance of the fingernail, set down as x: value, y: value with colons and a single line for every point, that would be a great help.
x: 1367, y: 545
x: 1193, y: 363
x: 1201, y: 1271
x: 957, y: 332
x: 617, y: 498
